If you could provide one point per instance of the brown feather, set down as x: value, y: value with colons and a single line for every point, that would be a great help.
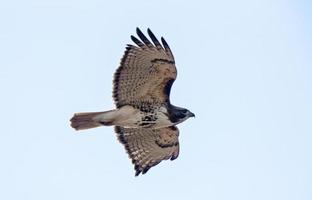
x: 148, y: 147
x: 144, y: 73
x: 81, y: 121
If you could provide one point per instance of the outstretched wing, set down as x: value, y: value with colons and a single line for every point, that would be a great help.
x: 148, y: 147
x: 146, y: 72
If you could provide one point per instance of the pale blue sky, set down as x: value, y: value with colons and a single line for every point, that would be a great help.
x: 244, y: 69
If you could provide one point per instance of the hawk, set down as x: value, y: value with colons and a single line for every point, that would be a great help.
x: 144, y: 119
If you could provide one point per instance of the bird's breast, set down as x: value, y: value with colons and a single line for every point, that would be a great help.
x: 152, y: 117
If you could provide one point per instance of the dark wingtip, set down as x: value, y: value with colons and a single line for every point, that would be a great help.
x: 137, y: 41
x: 149, y: 31
x: 165, y: 43
x: 144, y: 38
x: 166, y: 46
x: 139, y: 32
x: 146, y: 169
x: 137, y: 170
x: 154, y: 39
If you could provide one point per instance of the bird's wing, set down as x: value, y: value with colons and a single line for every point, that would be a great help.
x: 146, y: 72
x: 148, y: 147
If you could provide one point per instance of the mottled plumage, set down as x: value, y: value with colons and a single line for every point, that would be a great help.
x: 144, y: 118
x: 148, y: 147
x: 146, y: 73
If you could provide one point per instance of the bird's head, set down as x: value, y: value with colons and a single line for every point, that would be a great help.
x: 185, y: 114
x: 179, y: 115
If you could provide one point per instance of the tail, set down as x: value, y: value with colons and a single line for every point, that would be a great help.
x: 81, y: 121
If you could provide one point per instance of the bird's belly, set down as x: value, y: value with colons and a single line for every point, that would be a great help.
x: 146, y: 120
x: 162, y: 121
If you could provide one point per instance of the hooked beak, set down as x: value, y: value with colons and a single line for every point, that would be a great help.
x: 192, y: 114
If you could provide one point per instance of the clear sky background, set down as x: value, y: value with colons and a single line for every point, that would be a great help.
x: 244, y: 69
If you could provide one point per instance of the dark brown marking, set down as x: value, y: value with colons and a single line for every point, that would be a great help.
x: 167, y: 87
x: 154, y: 39
x: 137, y: 41
x: 143, y: 38
x: 162, y: 60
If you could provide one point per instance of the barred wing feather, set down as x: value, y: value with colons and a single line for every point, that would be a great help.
x: 148, y: 147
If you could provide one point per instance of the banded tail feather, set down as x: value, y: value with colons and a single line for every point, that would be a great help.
x: 87, y: 120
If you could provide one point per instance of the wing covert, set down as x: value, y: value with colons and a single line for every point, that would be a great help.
x: 146, y: 72
x: 148, y: 147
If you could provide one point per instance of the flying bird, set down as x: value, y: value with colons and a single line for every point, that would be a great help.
x: 144, y: 119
